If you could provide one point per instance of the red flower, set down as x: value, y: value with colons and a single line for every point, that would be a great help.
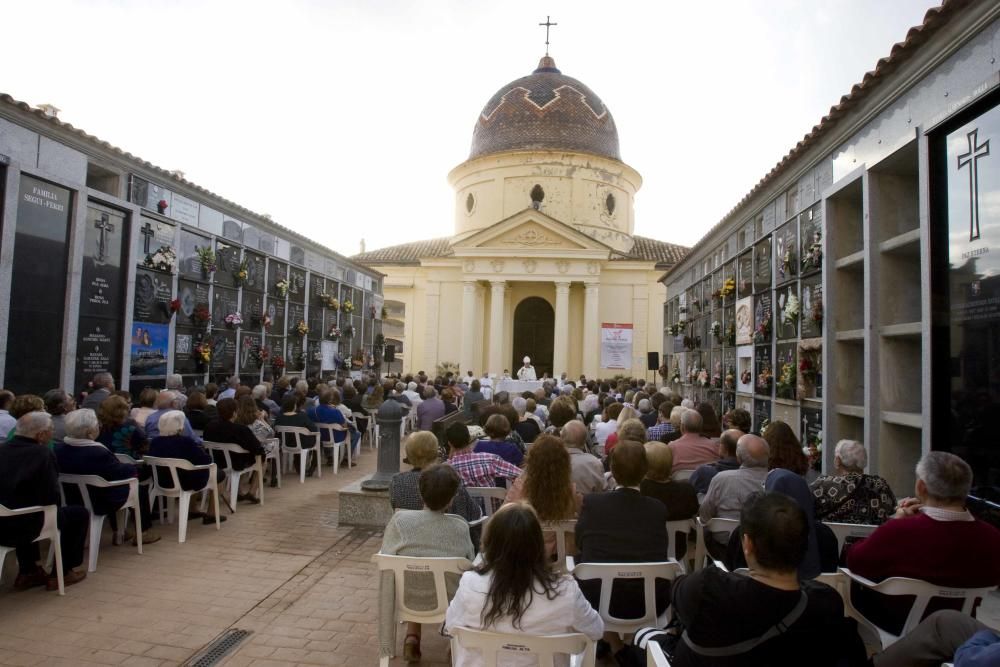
x: 162, y: 204
x: 175, y: 305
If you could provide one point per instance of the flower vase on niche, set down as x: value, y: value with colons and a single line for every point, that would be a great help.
x: 161, y: 206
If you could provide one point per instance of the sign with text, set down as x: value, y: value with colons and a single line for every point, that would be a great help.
x: 616, y: 345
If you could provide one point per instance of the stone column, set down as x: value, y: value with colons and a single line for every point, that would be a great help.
x: 560, y: 352
x: 591, y: 331
x: 467, y: 360
x: 390, y: 417
x: 497, y: 289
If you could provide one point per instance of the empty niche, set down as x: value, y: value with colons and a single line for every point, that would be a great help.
x: 537, y: 196
x: 609, y: 204
x: 470, y: 203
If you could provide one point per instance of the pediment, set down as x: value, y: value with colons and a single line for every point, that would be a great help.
x: 529, y: 230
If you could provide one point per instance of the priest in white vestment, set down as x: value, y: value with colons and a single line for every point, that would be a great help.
x: 526, y: 372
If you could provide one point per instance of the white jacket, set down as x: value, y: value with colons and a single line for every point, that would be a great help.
x: 568, y: 612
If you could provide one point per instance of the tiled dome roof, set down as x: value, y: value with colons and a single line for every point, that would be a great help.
x: 545, y: 111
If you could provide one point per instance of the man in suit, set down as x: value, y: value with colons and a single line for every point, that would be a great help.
x: 623, y: 526
x: 104, y: 384
x: 31, y: 478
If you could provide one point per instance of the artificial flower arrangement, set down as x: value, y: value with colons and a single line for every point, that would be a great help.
x: 764, y: 379
x: 717, y: 331
x: 786, y: 381
x: 746, y: 376
x: 334, y: 333
x: 729, y: 381
x: 301, y: 328
x: 259, y: 355
x: 763, y: 330
x: 790, y: 316
x: 202, y: 315
x: 691, y: 342
x: 807, y: 367
x: 787, y: 267
x: 674, y: 329
x: 675, y: 374
x: 329, y: 300
x: 731, y: 333
x: 348, y: 306
x: 728, y: 288
x: 816, y: 313
x: 281, y: 288
x: 266, y: 321
x: 702, y: 377
x: 692, y: 374
x: 161, y: 206
x: 764, y: 423
x: 206, y: 256
x: 241, y: 273
x: 349, y: 329
x: 717, y: 375
x: 175, y: 305
x: 278, y: 364
x: 164, y: 259
x: 203, y: 352
x: 814, y: 254
x: 233, y: 320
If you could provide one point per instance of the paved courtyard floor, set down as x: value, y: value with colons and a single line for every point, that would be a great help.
x: 284, y: 570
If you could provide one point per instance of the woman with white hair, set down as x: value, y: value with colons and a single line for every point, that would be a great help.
x: 80, y: 454
x: 171, y: 443
x: 850, y: 495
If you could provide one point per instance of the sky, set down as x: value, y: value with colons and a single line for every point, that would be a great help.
x: 342, y: 119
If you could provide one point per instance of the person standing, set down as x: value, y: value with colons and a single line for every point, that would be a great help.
x: 527, y: 371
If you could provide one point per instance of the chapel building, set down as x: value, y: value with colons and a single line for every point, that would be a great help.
x: 543, y: 261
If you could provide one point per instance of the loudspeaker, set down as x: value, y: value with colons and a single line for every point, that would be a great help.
x: 390, y: 353
x: 652, y: 361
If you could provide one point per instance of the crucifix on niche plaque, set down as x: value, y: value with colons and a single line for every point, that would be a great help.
x: 971, y: 159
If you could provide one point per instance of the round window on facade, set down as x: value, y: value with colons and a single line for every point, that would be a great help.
x: 470, y: 203
x: 609, y: 204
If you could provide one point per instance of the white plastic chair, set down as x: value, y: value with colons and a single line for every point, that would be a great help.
x: 923, y: 592
x: 488, y: 495
x: 655, y: 656
x: 284, y: 432
x: 687, y: 527
x: 49, y: 531
x: 716, y: 525
x: 273, y: 454
x: 648, y: 572
x: 337, y: 447
x: 83, y: 484
x: 437, y: 567
x: 544, y: 648
x: 681, y: 475
x: 846, y: 530
x: 167, y: 494
x: 560, y: 528
x: 233, y: 476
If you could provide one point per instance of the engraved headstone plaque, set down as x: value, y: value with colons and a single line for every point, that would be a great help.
x: 786, y: 247
x: 761, y: 414
x: 275, y: 309
x: 188, y: 262
x: 763, y: 318
x: 762, y: 265
x: 256, y: 278
x: 810, y: 240
x: 811, y: 428
x: 152, y: 297
x: 763, y: 370
x: 227, y: 258
x: 744, y: 278
x: 224, y: 352
x: 232, y: 230
x: 191, y: 295
x: 786, y: 324
x: 297, y: 285
x: 811, y: 319
x: 786, y: 370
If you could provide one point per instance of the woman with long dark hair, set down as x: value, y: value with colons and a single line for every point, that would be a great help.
x: 784, y: 449
x: 515, y: 591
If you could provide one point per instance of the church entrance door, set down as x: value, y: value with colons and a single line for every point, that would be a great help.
x: 534, y: 334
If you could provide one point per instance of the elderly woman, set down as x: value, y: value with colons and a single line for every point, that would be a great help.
x: 404, y: 490
x: 849, y: 495
x: 119, y: 432
x: 80, y: 454
x: 425, y: 532
x: 630, y: 427
x: 497, y: 429
x: 526, y: 427
x: 196, y: 410
x: 171, y: 443
x: 58, y: 404
x: 227, y: 429
x: 147, y: 403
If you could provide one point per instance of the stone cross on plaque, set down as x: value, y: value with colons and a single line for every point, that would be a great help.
x: 971, y: 160
x: 147, y: 232
x: 104, y: 226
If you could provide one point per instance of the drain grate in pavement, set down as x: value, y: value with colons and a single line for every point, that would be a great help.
x: 220, y: 647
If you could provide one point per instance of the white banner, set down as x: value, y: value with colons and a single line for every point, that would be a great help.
x: 616, y: 345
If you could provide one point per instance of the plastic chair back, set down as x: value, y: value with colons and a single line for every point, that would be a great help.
x: 227, y: 449
x: 49, y: 531
x: 489, y: 494
x: 561, y: 529
x: 295, y: 433
x: 437, y: 567
x: 681, y: 475
x: 607, y: 573
x: 655, y: 656
x: 83, y: 484
x: 543, y: 647
x: 846, y: 530
x: 705, y: 530
x: 183, y: 496
x: 330, y: 430
x: 686, y: 527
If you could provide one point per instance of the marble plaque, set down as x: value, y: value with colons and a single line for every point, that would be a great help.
x: 744, y: 369
x: 210, y: 220
x: 152, y: 297
x: 227, y: 259
x: 729, y: 369
x: 98, y: 348
x: 729, y: 326
x: 256, y: 278
x: 786, y: 368
x: 191, y: 295
x: 744, y: 321
x: 763, y: 370
x: 317, y: 286
x: 188, y: 263
x: 103, y: 280
x: 297, y: 255
x: 729, y: 274
x: 762, y: 265
x: 185, y: 340
x: 314, y: 261
x: 315, y: 322
x: 150, y: 195
x: 248, y: 344
x: 728, y: 402
x: 786, y: 248
x: 152, y: 234
x: 295, y: 360
x: 232, y: 230
x: 811, y: 427
x: 276, y: 346
x: 251, y: 236
x: 296, y: 314
x: 184, y: 210
x: 763, y: 318
x: 786, y: 327
x: 225, y: 302
x: 811, y: 319
x: 224, y: 352
x: 276, y: 271
x: 275, y: 309
x: 810, y: 240
x: 253, y: 309
x: 297, y: 285
x: 761, y: 414
x: 266, y: 243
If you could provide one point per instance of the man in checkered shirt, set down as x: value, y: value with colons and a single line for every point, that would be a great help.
x: 662, y: 425
x: 476, y: 469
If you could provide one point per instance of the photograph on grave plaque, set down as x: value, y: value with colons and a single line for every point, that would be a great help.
x: 195, y: 310
x: 744, y: 369
x: 762, y: 265
x: 225, y: 308
x: 152, y: 297
x: 297, y: 285
x: 189, y: 262
x: 811, y: 317
x: 744, y: 321
x: 150, y: 195
x: 41, y: 231
x: 810, y: 241
x: 786, y: 251
x: 761, y: 415
x: 763, y: 370
x: 788, y: 311
x: 98, y: 349
x: 786, y: 370
x: 744, y: 275
x: 227, y: 259
x: 811, y: 433
x: 763, y: 318
x: 256, y: 279
x: 150, y: 346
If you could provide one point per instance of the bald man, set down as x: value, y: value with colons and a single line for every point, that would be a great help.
x: 729, y: 489
x: 587, y: 471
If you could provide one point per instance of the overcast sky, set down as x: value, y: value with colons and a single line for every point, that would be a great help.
x: 342, y: 119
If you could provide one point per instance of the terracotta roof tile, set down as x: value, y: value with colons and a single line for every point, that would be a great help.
x: 652, y: 250
x: 405, y: 253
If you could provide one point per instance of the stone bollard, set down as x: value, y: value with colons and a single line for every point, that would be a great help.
x: 390, y: 416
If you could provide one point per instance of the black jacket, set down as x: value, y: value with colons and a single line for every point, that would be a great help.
x: 239, y: 434
x: 28, y: 476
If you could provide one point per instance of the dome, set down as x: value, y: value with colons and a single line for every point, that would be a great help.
x: 545, y: 111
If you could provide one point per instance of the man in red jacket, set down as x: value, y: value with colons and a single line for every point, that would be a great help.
x: 932, y: 537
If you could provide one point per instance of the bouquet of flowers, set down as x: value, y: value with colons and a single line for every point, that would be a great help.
x: 281, y: 288
x: 764, y: 379
x: 791, y: 315
x: 786, y: 382
x: 278, y: 364
x: 717, y: 331
x: 675, y: 373
x: 164, y: 259
x: 807, y: 368
x: 728, y: 288
x: 731, y: 333
x: 234, y: 320
x: 301, y: 328
x: 203, y: 352
x: 349, y: 329
x: 241, y: 273
x: 674, y: 329
x: 206, y: 256
x: 717, y: 376
x: 330, y: 301
x: 702, y: 377
x: 258, y: 355
x: 729, y: 382
x: 175, y: 305
x: 348, y: 306
x: 334, y: 333
x: 763, y: 329
x: 161, y: 206
x: 202, y: 315
x: 814, y: 254
x: 817, y: 310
